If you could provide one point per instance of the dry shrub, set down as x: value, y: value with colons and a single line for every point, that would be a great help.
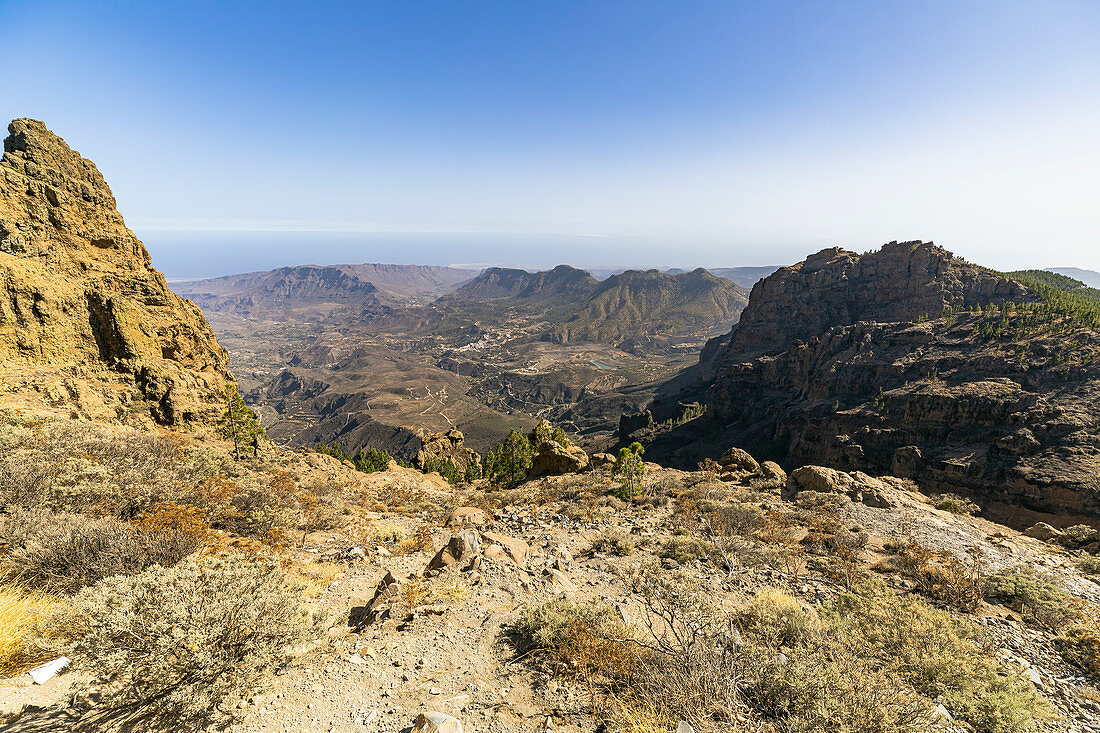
x: 584, y: 640
x: 941, y: 575
x: 614, y: 542
x: 173, y: 648
x: 66, y: 552
x: 420, y: 541
x: 169, y: 518
x: 873, y: 663
x: 22, y: 613
x: 448, y: 588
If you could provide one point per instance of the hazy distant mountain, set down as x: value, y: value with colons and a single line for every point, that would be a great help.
x: 746, y: 277
x: 288, y: 289
x: 1088, y: 277
x: 563, y: 283
x: 637, y: 305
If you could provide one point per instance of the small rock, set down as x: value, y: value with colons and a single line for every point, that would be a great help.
x: 436, y: 722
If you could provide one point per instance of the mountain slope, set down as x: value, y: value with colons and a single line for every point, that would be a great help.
x: 650, y: 305
x: 912, y: 362
x: 563, y: 283
x: 1088, y: 277
x: 746, y: 277
x: 85, y: 319
x: 411, y: 281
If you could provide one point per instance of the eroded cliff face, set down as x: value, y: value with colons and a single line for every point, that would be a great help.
x: 86, y: 323
x: 903, y: 281
x: 852, y: 361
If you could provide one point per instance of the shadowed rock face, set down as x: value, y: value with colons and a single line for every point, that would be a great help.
x: 85, y: 320
x: 849, y: 361
x: 903, y: 281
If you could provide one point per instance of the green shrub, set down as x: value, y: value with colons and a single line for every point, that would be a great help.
x: 1089, y: 564
x: 630, y: 470
x: 66, y: 552
x: 940, y: 657
x: 956, y: 504
x: 553, y: 624
x: 1036, y: 596
x: 174, y: 648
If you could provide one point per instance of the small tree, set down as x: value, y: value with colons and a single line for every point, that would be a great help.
x: 542, y: 433
x: 239, y: 423
x: 509, y: 463
x: 630, y: 469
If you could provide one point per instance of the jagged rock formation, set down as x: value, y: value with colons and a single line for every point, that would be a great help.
x: 437, y: 449
x: 903, y: 281
x: 864, y: 363
x: 85, y: 320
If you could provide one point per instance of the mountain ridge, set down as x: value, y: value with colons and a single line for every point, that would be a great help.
x: 86, y: 320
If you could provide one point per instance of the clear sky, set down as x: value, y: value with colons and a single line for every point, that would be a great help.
x: 243, y: 136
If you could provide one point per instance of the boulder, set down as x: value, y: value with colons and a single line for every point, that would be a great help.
x: 857, y: 486
x: 436, y: 722
x: 1043, y: 531
x: 770, y: 471
x: 552, y: 459
x: 460, y: 550
x: 736, y: 459
x: 599, y: 460
x: 469, y: 516
x: 511, y: 547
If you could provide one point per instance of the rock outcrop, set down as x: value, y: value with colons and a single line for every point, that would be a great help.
x: 886, y: 363
x: 86, y: 322
x: 439, y: 448
x: 553, y: 459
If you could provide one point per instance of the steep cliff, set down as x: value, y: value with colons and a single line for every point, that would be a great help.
x: 85, y: 321
x: 912, y: 362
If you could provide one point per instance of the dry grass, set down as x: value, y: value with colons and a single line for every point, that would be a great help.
x: 447, y: 589
x: 22, y: 614
x: 420, y: 541
x: 312, y: 577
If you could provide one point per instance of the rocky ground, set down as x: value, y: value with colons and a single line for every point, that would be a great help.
x: 412, y: 622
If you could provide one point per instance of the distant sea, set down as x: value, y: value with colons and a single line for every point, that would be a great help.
x: 190, y: 255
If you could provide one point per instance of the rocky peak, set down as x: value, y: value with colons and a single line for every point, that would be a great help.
x: 902, y: 281
x: 85, y: 320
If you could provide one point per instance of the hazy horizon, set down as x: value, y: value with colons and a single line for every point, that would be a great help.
x: 639, y: 133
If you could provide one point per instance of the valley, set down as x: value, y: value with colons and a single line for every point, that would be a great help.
x: 325, y: 355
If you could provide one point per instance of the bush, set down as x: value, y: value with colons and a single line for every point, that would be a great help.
x: 1037, y: 597
x: 685, y: 549
x: 956, y: 504
x: 174, y: 648
x: 940, y: 657
x: 614, y: 542
x: 66, y: 552
x: 873, y: 663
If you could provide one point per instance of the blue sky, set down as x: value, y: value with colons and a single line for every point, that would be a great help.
x: 242, y: 136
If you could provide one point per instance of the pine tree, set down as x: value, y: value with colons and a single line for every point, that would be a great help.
x: 509, y: 463
x: 630, y: 469
x: 239, y: 423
